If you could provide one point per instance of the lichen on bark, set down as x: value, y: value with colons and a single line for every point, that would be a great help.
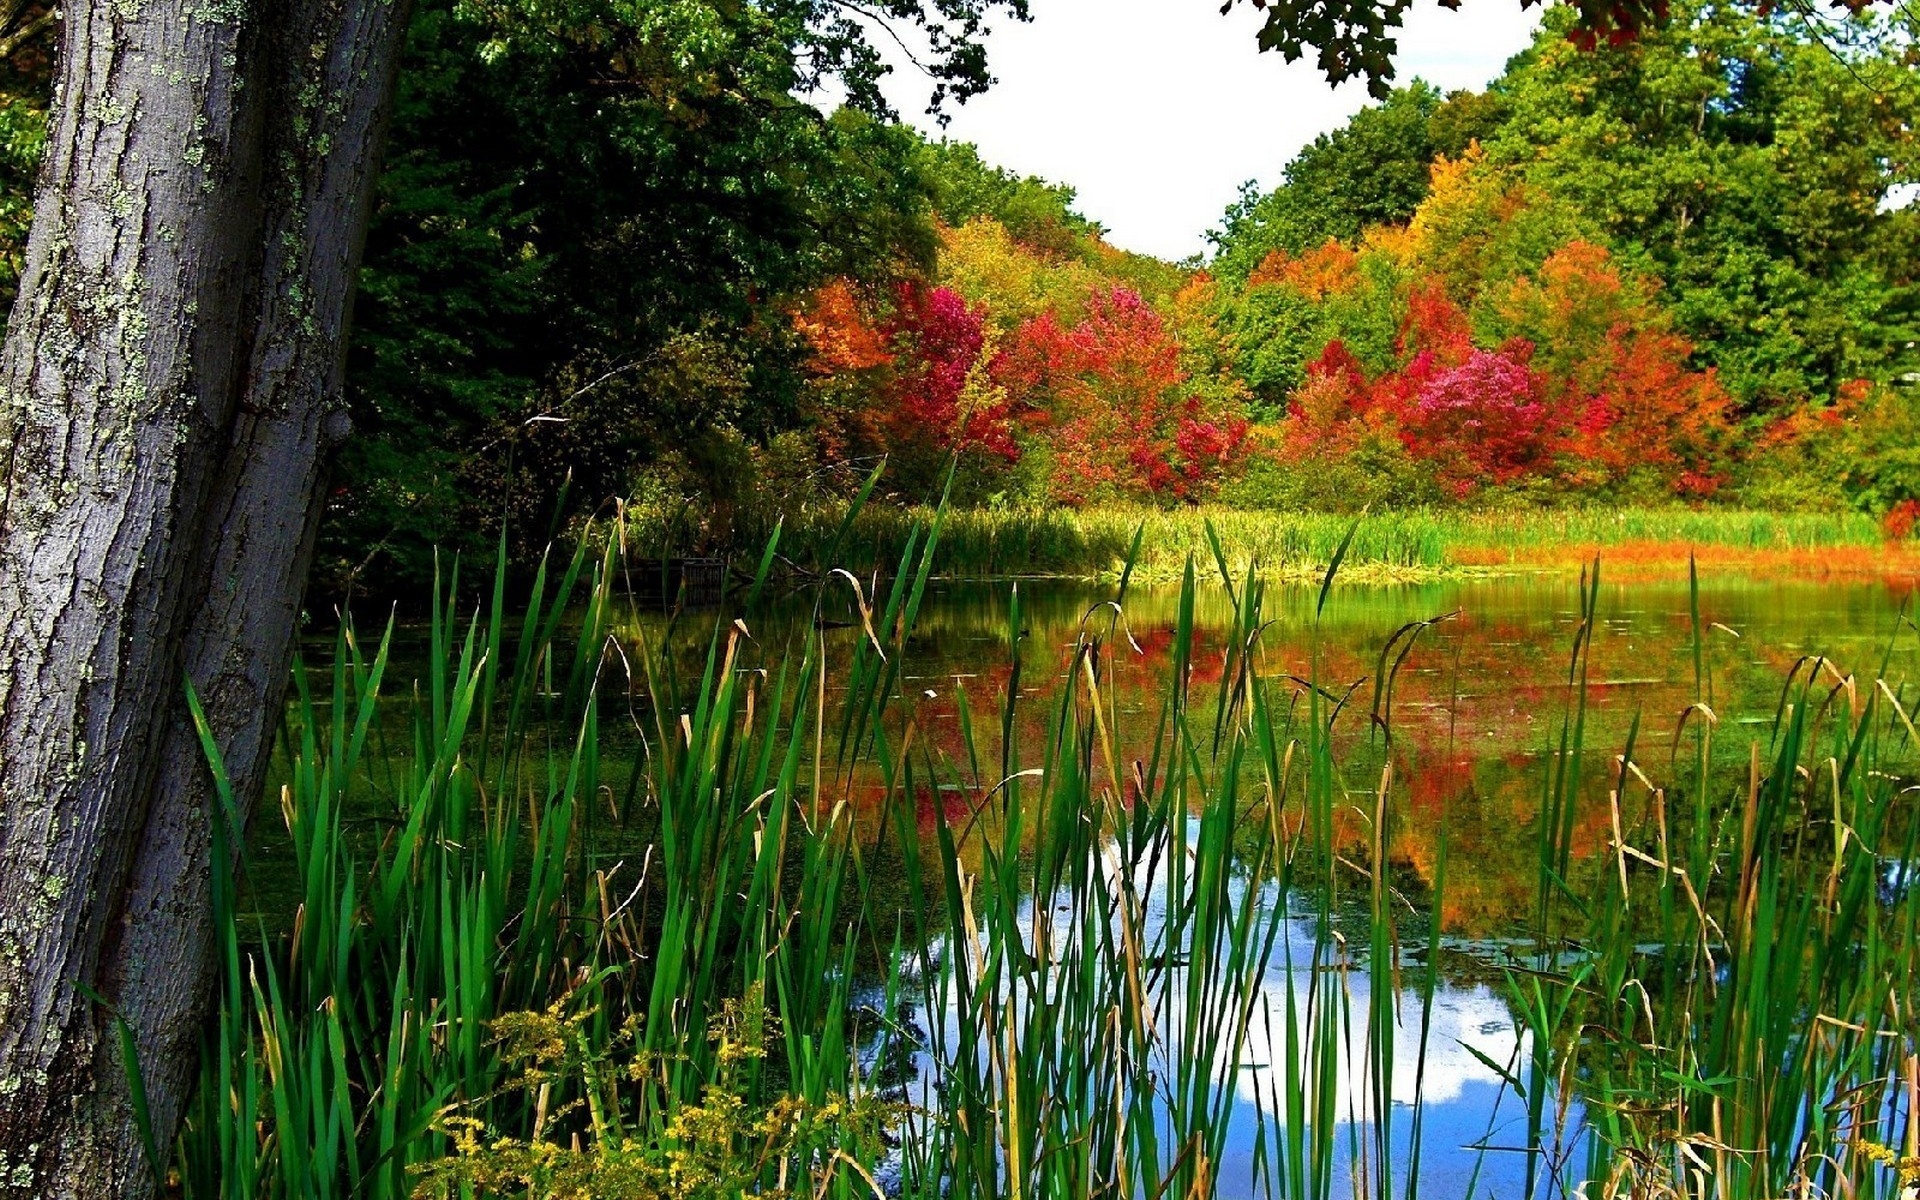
x: 166, y: 418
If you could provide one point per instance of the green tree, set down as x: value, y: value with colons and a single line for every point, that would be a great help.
x: 1743, y: 159
x: 1274, y: 332
x: 1356, y: 39
x: 583, y: 254
x: 1370, y: 171
x: 1035, y: 212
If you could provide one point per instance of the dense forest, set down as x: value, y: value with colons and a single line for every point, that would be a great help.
x: 633, y: 264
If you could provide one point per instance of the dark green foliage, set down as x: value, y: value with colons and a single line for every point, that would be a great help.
x: 1743, y: 162
x: 26, y: 82
x: 587, y: 242
x: 817, y: 42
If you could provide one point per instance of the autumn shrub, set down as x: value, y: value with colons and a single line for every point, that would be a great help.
x: 1900, y: 520
x: 1485, y: 421
x: 1862, y: 452
x: 1110, y: 400
x: 1373, y: 472
x: 929, y: 399
x: 1490, y: 418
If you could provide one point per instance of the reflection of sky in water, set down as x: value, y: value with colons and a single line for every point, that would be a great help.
x: 1461, y: 1017
x: 1477, y: 702
x: 1463, y: 1101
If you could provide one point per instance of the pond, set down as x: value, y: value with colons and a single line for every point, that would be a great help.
x: 1285, y: 916
x: 1471, y: 724
x: 1476, y: 705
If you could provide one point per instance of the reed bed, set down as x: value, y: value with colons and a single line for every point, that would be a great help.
x: 729, y: 970
x: 1396, y: 544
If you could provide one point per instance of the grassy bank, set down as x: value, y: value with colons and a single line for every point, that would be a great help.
x: 802, y: 947
x: 1407, y: 544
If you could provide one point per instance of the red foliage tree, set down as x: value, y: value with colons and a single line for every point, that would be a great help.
x: 1113, y: 392
x: 1326, y: 412
x: 1484, y: 421
x: 938, y: 338
x: 1435, y: 326
x: 1608, y: 353
x: 1608, y: 393
x: 1655, y: 412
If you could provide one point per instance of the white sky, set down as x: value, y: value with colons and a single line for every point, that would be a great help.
x: 1156, y: 110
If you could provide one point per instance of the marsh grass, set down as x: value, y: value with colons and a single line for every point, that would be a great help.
x: 715, y: 974
x: 1395, y: 544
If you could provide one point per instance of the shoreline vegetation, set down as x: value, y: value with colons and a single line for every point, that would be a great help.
x: 1404, y: 546
x: 741, y: 968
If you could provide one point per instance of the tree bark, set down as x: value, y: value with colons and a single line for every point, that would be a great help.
x: 173, y: 374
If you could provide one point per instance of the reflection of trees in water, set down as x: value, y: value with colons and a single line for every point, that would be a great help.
x: 1468, y: 744
x: 1476, y: 704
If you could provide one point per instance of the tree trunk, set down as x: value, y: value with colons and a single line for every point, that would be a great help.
x: 173, y: 375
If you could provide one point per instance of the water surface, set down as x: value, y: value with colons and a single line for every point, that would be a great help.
x: 1460, y: 690
x: 1470, y: 718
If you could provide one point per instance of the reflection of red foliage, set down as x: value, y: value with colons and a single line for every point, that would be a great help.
x: 1476, y: 703
x: 1433, y: 782
x: 1206, y: 659
x: 952, y: 806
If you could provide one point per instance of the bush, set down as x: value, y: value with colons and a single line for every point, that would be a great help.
x: 1862, y: 452
x: 1377, y: 473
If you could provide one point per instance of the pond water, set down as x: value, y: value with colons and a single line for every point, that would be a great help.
x: 1461, y: 687
x: 1475, y: 711
x: 1476, y: 705
x: 1471, y: 1124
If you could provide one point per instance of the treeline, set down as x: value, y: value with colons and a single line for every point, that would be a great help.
x: 1676, y: 268
x: 1676, y: 265
x: 621, y: 262
x: 616, y: 259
